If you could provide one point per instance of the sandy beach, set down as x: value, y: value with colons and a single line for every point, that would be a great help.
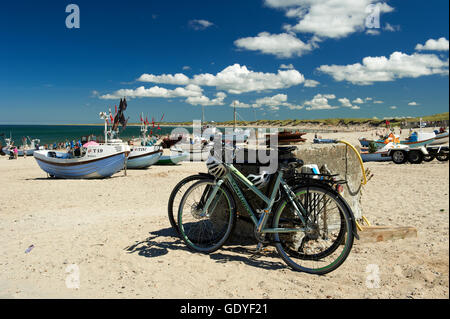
x: 117, y: 234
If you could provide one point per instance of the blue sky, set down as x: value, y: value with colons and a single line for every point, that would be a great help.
x: 277, y: 59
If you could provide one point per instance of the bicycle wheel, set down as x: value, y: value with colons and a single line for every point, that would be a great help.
x: 177, y: 194
x: 329, y: 238
x: 206, y: 233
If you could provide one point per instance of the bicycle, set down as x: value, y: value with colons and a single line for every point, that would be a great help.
x: 313, y: 228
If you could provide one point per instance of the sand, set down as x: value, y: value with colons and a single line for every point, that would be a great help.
x: 116, y: 234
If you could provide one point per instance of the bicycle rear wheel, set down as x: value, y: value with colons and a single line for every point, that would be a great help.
x: 206, y: 233
x: 329, y: 238
x: 176, y: 195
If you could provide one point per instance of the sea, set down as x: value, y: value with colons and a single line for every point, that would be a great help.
x: 50, y: 134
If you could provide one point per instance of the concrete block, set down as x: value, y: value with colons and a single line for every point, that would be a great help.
x: 339, y: 158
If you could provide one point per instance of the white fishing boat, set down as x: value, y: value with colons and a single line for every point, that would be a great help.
x: 92, y: 160
x: 175, y: 157
x: 143, y: 154
x: 440, y: 138
x: 25, y: 149
x: 381, y: 154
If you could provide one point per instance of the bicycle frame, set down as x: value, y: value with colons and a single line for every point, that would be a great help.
x: 232, y: 174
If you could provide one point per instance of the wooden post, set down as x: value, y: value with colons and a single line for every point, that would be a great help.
x: 373, y: 234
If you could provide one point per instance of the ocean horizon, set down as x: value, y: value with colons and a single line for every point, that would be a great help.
x: 56, y: 133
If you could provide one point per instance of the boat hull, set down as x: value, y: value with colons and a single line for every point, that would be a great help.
x: 441, y: 138
x: 20, y: 152
x: 418, y: 143
x: 375, y: 157
x: 143, y: 160
x: 83, y: 169
x: 172, y: 159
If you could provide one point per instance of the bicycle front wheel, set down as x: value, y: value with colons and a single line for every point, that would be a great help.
x: 176, y: 195
x: 328, y: 238
x: 206, y: 232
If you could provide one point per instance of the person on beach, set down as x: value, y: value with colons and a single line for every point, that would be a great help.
x: 16, y: 152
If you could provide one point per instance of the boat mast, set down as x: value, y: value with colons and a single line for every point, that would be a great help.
x: 234, y: 113
x: 203, y: 114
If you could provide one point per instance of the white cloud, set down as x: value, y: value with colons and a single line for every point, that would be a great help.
x: 241, y: 105
x: 393, y: 107
x: 274, y: 102
x: 200, y: 24
x: 320, y: 102
x: 372, y: 32
x: 380, y: 69
x: 288, y: 66
x: 391, y: 28
x: 155, y: 91
x: 206, y: 101
x: 368, y: 99
x: 346, y: 103
x: 234, y: 79
x: 358, y: 101
x: 186, y: 67
x: 281, y: 45
x: 413, y: 103
x: 328, y: 18
x: 378, y: 102
x: 177, y: 79
x: 440, y: 44
x: 311, y: 83
x: 237, y: 79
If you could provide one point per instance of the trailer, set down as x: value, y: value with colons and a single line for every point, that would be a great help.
x: 407, y: 154
x: 439, y: 152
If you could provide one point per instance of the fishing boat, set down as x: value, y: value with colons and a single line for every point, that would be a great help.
x: 143, y: 153
x: 380, y: 155
x: 417, y: 139
x: 174, y: 158
x: 94, y: 161
x: 25, y: 149
x: 287, y: 137
x: 441, y: 137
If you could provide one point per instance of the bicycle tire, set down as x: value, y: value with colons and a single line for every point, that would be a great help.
x: 178, y: 192
x: 287, y: 244
x: 196, y: 234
